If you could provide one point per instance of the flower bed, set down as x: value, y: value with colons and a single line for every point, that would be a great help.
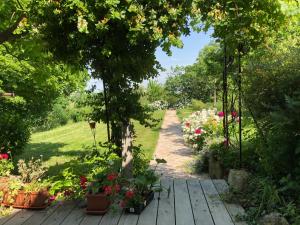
x: 201, y: 125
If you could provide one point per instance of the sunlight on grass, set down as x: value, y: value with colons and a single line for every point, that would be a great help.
x: 62, y: 144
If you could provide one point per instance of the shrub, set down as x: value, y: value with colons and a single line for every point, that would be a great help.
x: 15, y: 133
x: 197, y: 105
x: 200, y: 126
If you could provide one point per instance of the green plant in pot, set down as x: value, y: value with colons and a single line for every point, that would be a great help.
x: 37, y: 194
x: 102, y: 192
x: 32, y: 193
x: 139, y: 191
x: 105, y: 185
x: 6, y: 166
x: 12, y: 194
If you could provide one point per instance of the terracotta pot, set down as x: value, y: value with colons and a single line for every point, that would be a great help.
x: 21, y: 199
x: 37, y: 199
x: 5, y: 198
x: 97, y: 203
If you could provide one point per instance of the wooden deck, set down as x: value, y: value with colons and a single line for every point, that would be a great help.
x: 191, y: 202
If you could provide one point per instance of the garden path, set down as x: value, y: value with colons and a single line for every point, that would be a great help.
x: 171, y: 147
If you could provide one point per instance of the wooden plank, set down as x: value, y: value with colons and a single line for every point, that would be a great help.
x: 166, y: 212
x: 200, y: 208
x: 111, y: 218
x: 234, y: 210
x: 183, y: 209
x: 20, y: 218
x: 39, y: 216
x: 128, y: 219
x: 9, y: 217
x: 149, y: 215
x: 216, y: 206
x: 75, y: 217
x: 59, y: 214
x: 91, y: 220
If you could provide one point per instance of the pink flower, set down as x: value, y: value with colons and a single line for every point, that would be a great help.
x: 129, y: 194
x: 52, y: 198
x: 4, y: 156
x: 198, y: 131
x: 187, y: 124
x: 234, y: 114
x: 238, y: 119
x: 112, y: 176
x: 221, y: 114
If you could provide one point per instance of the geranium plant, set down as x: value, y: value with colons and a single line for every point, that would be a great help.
x: 139, y: 191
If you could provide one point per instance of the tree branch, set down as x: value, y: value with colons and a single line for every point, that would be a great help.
x: 8, y: 35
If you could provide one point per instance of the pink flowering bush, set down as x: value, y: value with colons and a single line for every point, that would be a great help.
x: 200, y: 126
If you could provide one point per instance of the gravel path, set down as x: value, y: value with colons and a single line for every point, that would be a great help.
x: 171, y: 147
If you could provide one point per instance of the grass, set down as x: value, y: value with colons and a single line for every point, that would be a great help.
x: 147, y: 137
x: 184, y: 112
x: 60, y: 145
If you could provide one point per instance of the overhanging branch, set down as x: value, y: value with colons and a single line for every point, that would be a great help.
x: 8, y: 35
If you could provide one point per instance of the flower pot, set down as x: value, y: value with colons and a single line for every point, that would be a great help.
x: 137, y: 209
x: 20, y: 199
x: 97, y: 203
x: 37, y: 199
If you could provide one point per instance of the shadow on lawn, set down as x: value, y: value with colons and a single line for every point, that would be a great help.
x: 49, y: 150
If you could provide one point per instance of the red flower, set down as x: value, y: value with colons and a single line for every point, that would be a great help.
x: 122, y: 204
x: 107, y: 190
x: 117, y: 188
x: 129, y: 194
x: 234, y: 114
x: 187, y: 124
x: 112, y: 176
x: 221, y: 114
x: 4, y: 156
x: 83, y: 181
x: 198, y: 131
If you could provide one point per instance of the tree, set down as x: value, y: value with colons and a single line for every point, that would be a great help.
x: 116, y: 39
x: 14, y: 21
x: 155, y: 91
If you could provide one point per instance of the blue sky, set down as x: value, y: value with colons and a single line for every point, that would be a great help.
x: 184, y: 56
x: 187, y: 55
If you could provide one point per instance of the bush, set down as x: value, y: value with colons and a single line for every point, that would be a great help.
x: 197, y: 105
x: 15, y: 133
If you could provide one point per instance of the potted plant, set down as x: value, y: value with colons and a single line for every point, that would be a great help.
x: 102, y: 191
x: 6, y: 166
x: 139, y: 192
x: 11, y: 193
x: 36, y: 195
x: 27, y: 191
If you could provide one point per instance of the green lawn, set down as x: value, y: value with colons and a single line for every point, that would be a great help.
x: 62, y: 144
x: 184, y: 112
